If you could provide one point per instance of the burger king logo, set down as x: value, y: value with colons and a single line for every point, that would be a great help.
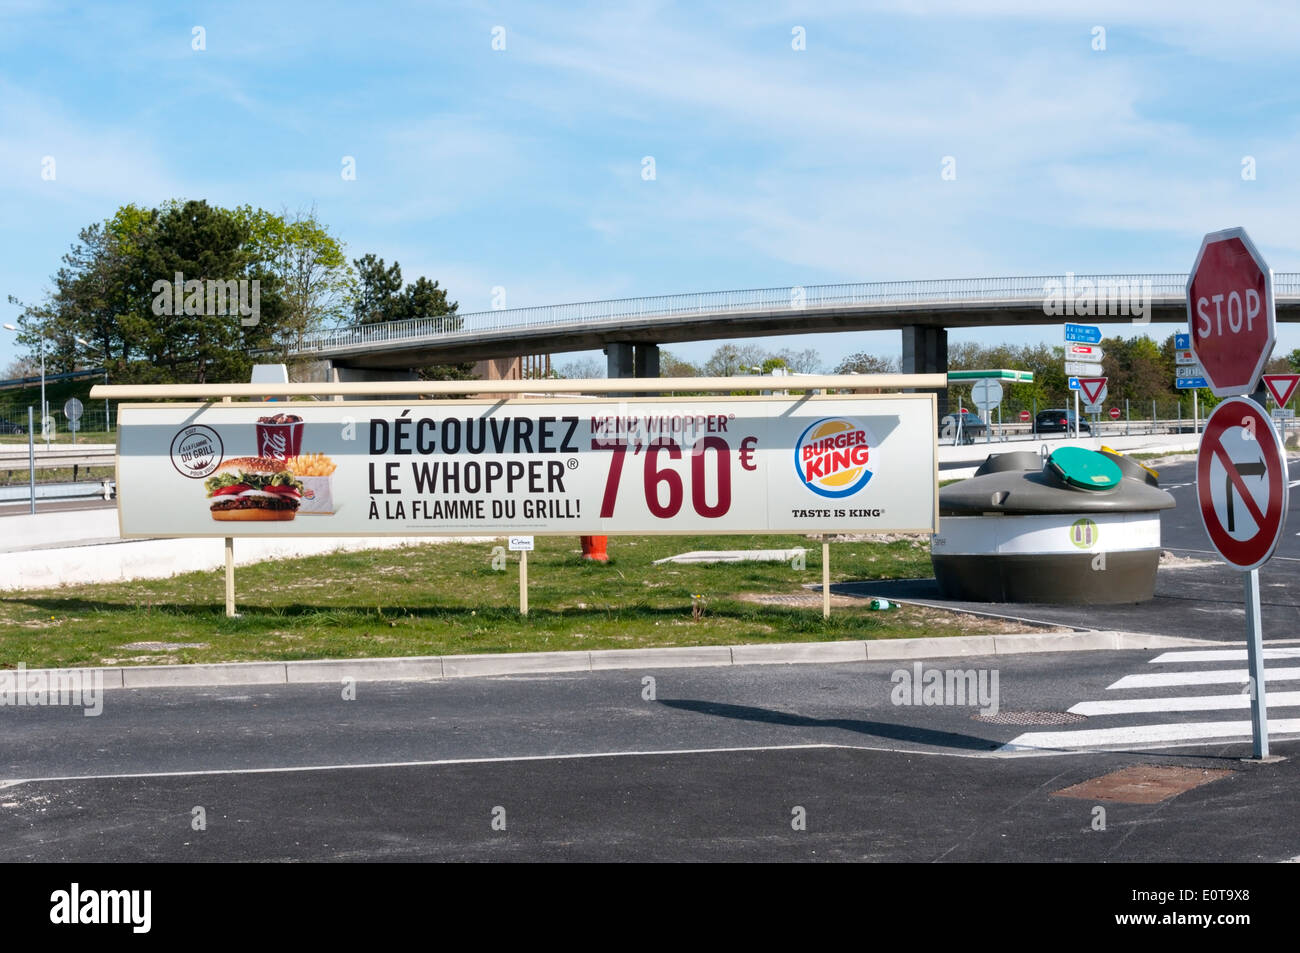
x: 831, y: 456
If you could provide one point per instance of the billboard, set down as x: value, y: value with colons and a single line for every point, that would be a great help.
x: 529, y: 467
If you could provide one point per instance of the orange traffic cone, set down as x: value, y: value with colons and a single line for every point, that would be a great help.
x: 593, y: 547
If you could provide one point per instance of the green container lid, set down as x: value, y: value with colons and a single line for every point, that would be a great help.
x: 1085, y: 469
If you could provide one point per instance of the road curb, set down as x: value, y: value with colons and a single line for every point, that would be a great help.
x: 433, y: 668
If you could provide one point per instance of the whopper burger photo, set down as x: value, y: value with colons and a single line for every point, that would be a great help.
x: 253, y: 488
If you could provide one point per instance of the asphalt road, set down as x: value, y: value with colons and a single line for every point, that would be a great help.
x: 584, y: 766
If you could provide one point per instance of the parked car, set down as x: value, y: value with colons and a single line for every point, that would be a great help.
x: 971, y: 427
x: 8, y: 426
x: 1059, y: 421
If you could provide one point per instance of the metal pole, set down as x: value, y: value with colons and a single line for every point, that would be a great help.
x: 230, y: 578
x: 826, y: 579
x: 45, y: 407
x: 230, y: 566
x: 1255, y: 641
x: 108, y: 420
x: 1076, y: 415
x: 1255, y: 650
x: 1128, y: 419
x: 1154, y: 416
x: 1196, y: 411
x: 523, y: 582
x: 31, y: 454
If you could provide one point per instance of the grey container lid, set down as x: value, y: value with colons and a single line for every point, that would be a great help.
x: 1017, y: 484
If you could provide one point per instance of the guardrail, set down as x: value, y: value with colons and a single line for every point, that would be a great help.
x: 1034, y: 288
x: 59, y: 456
x: 53, y: 492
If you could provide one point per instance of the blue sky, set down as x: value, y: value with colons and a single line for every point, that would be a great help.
x: 521, y: 168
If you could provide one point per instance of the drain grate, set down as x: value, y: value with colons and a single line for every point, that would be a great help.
x: 1031, y: 718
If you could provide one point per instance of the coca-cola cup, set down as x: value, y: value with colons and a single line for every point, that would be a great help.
x: 279, y: 437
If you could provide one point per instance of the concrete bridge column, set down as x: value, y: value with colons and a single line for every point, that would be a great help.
x: 647, y: 364
x: 625, y: 359
x: 925, y: 351
x: 618, y: 355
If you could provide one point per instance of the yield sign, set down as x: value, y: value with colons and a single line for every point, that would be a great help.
x: 1281, y: 386
x: 1241, y: 483
x: 1094, y: 389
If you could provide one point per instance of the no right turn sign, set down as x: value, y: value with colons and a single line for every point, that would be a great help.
x: 1241, y: 483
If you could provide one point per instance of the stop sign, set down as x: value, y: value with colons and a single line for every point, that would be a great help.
x: 1230, y: 311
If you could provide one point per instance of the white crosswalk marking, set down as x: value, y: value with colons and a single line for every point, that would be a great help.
x: 1195, y: 703
x: 1220, y: 655
x: 1227, y: 676
x: 1146, y: 734
x: 1170, y: 730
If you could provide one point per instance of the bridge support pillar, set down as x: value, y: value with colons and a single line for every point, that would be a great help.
x: 626, y: 359
x: 925, y: 351
x: 618, y: 355
x: 647, y: 364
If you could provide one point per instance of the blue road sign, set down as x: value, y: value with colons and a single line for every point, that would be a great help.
x: 1190, y: 383
x: 1182, y: 342
x: 1083, y: 333
x: 1073, y: 382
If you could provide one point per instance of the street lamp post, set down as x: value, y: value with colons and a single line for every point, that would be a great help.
x: 45, y: 409
x: 108, y: 427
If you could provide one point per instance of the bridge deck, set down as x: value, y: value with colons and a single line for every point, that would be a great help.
x: 874, y: 306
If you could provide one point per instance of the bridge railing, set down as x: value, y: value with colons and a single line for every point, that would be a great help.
x: 789, y: 297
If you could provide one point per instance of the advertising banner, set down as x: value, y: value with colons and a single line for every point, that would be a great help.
x: 529, y: 467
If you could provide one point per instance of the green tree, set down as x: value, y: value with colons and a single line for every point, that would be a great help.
x: 205, y: 243
x: 670, y: 365
x: 315, y: 277
x: 731, y: 359
x: 808, y: 361
x: 377, y: 294
x: 866, y: 363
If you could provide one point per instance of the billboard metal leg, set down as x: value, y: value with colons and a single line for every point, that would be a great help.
x: 230, y: 565
x: 523, y: 582
x: 826, y: 580
x: 230, y: 577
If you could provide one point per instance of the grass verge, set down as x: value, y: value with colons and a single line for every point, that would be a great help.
x: 448, y: 599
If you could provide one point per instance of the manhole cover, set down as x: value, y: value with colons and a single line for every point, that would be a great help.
x: 1031, y: 718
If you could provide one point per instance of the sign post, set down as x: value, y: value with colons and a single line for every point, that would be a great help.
x: 72, y: 410
x: 1081, y: 357
x: 31, y: 456
x: 1241, y: 471
x: 987, y: 394
x: 522, y: 545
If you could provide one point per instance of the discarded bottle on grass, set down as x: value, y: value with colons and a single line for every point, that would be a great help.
x: 880, y: 605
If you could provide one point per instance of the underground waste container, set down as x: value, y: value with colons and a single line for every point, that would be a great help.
x: 1078, y: 526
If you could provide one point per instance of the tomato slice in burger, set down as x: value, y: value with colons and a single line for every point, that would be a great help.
x: 233, y: 488
x: 282, y: 490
